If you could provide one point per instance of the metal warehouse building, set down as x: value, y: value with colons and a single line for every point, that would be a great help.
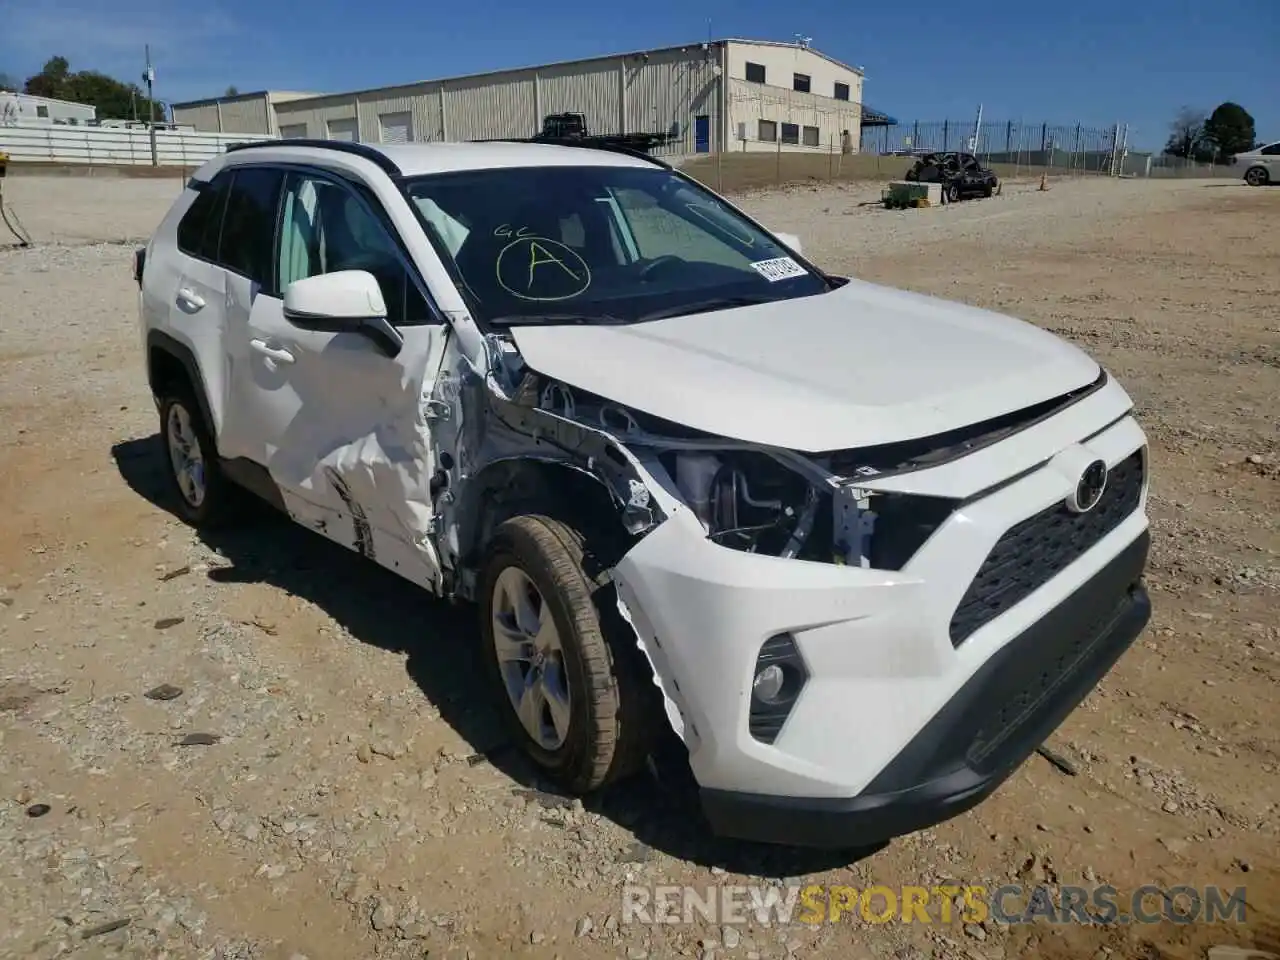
x: 734, y: 94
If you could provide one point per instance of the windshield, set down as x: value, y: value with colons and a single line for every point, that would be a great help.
x: 599, y: 244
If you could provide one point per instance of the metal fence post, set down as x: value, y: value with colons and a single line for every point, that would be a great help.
x: 945, y: 135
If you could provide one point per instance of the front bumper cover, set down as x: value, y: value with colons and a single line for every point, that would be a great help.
x: 983, y: 733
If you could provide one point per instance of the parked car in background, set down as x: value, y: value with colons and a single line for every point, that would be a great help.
x: 960, y: 174
x: 1261, y: 166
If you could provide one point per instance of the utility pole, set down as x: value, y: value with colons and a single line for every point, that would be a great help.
x: 150, y: 76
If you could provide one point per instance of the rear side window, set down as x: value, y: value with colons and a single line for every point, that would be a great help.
x: 249, y: 226
x: 199, y: 227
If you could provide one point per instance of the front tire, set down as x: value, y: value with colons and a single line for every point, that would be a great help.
x: 557, y: 651
x: 1257, y: 176
x: 203, y: 494
x: 953, y: 193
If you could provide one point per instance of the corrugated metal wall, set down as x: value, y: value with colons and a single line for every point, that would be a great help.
x: 250, y: 114
x: 661, y: 92
x: 498, y: 106
x: 420, y: 101
x: 667, y: 90
x: 246, y: 116
x: 592, y: 89
x: 316, y: 112
x: 203, y: 117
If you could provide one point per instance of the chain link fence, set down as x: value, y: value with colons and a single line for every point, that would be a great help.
x: 1070, y: 149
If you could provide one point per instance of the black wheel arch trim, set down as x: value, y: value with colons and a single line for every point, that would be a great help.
x: 253, y: 476
x: 158, y: 340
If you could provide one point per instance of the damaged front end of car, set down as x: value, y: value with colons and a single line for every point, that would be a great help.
x: 515, y: 441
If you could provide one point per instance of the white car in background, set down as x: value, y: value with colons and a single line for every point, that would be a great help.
x: 856, y: 551
x: 1261, y: 166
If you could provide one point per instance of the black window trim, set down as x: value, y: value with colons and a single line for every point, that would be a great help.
x: 203, y: 186
x: 264, y: 289
x: 364, y: 197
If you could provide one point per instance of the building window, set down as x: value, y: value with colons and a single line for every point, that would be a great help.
x: 755, y: 72
x: 791, y: 133
x: 293, y: 131
x: 768, y: 131
x: 810, y: 136
x: 42, y: 111
x: 800, y: 82
x: 842, y: 91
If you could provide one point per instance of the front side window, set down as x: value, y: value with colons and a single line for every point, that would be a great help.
x: 324, y: 227
x: 599, y: 244
x: 1271, y: 150
x: 249, y: 223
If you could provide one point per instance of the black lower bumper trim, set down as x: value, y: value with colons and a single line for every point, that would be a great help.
x: 984, y: 733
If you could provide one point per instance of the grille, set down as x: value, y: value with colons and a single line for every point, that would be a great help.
x: 1042, y: 546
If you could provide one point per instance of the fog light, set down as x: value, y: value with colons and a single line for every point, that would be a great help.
x: 779, y: 677
x: 768, y: 683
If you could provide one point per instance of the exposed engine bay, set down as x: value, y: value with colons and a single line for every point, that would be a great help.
x: 746, y: 497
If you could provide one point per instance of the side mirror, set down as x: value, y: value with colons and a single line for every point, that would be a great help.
x: 346, y: 301
x: 791, y: 240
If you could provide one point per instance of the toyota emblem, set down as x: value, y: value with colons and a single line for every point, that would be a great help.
x: 1089, y: 488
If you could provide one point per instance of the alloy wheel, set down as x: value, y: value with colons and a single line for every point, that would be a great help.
x: 530, y: 655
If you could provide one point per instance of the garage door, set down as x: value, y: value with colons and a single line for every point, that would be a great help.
x: 395, y: 127
x: 293, y: 131
x: 342, y: 129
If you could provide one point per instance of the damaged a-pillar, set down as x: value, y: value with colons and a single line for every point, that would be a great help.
x: 511, y: 455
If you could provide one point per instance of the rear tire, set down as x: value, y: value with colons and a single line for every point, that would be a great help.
x: 561, y: 658
x: 204, y: 496
x: 1257, y: 177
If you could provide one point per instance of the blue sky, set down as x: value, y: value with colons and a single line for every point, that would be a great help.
x: 1087, y: 61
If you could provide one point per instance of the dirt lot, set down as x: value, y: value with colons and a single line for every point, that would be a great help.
x: 359, y: 801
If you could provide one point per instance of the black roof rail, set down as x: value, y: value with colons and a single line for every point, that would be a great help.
x: 385, y: 163
x: 586, y: 144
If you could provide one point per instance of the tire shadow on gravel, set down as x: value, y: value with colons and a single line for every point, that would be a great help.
x: 440, y: 640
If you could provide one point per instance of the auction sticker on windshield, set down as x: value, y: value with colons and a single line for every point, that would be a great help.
x: 782, y: 268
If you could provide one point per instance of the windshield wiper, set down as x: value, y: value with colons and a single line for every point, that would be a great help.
x: 705, y: 306
x: 551, y: 319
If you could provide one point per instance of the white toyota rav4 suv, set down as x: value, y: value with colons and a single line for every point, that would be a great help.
x: 857, y: 550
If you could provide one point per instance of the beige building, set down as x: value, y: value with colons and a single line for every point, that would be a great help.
x: 734, y: 94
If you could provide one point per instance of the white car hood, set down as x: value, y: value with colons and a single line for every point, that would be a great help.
x: 862, y: 365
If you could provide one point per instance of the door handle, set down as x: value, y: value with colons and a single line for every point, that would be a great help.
x: 271, y: 353
x: 187, y: 296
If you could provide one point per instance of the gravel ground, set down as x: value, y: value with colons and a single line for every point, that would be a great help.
x: 255, y: 746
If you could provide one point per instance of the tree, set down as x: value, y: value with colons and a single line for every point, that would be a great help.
x: 7, y: 82
x: 114, y: 100
x: 1230, y: 129
x: 50, y: 80
x: 1186, y: 134
x: 232, y: 91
